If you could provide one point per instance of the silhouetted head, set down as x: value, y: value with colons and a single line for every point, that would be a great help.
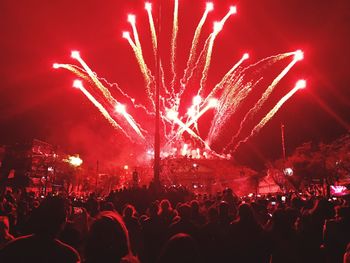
x: 184, y: 211
x: 50, y: 217
x: 180, y: 248
x: 165, y: 205
x: 223, y: 208
x: 154, y: 209
x: 129, y: 211
x: 108, y: 239
x: 246, y: 213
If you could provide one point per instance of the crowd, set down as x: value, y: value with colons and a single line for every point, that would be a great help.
x: 173, y: 225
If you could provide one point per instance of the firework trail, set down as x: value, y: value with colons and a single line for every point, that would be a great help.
x: 299, y: 85
x: 218, y: 26
x: 233, y: 88
x: 103, y: 89
x: 220, y: 85
x: 143, y: 67
x: 121, y: 109
x: 148, y: 7
x: 212, y: 104
x: 235, y: 91
x: 78, y: 84
x: 264, y: 97
x: 172, y: 115
x: 173, y: 42
x: 192, y: 55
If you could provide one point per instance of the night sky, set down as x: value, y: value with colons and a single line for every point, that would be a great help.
x: 39, y: 102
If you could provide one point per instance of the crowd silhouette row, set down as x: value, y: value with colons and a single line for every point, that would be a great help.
x: 173, y: 225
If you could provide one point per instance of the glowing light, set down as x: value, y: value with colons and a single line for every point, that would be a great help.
x: 191, y: 112
x: 126, y: 167
x: 126, y: 34
x: 148, y: 6
x: 75, y: 54
x: 209, y: 6
x: 55, y: 65
x: 288, y: 171
x: 75, y: 161
x: 233, y: 10
x: 299, y: 55
x: 338, y: 189
x: 77, y: 84
x: 301, y: 84
x: 217, y: 27
x: 132, y: 19
x: 120, y: 108
x: 245, y: 56
x: 213, y: 103
x: 197, y: 100
x: 172, y: 115
x: 184, y: 149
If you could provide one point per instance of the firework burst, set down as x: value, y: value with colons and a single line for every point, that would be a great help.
x: 178, y: 124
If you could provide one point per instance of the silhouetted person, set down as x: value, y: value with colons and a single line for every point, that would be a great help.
x: 108, y: 240
x: 154, y: 233
x: 282, y: 238
x: 246, y: 240
x: 180, y: 248
x: 166, y: 212
x: 133, y: 226
x: 42, y: 245
x: 337, y: 235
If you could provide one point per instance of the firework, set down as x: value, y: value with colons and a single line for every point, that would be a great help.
x: 224, y: 98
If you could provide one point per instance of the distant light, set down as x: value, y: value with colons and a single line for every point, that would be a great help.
x: 301, y: 84
x: 131, y: 19
x: 75, y: 161
x: 148, y: 6
x: 213, y: 103
x: 75, y: 54
x: 298, y: 55
x: 209, y: 6
x: 233, y: 9
x: 195, y: 165
x: 126, y: 34
x: 55, y: 65
x: 120, y: 108
x: 197, y: 100
x: 50, y: 169
x: 126, y: 167
x: 77, y: 84
x: 288, y: 171
x: 245, y: 56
